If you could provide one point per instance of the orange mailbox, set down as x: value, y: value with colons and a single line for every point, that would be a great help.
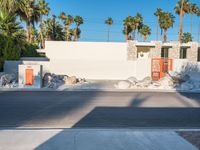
x: 29, y: 77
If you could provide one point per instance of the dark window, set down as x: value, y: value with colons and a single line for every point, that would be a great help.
x: 164, y: 52
x: 198, y: 57
x: 183, y: 53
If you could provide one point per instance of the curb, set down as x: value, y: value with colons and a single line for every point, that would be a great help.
x: 96, y: 90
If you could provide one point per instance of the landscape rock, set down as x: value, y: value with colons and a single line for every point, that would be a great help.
x: 123, y: 85
x: 54, y: 81
x: 132, y: 80
x: 71, y: 80
x: 7, y: 79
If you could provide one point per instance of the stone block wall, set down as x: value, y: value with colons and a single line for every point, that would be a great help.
x: 156, y: 51
x: 174, y: 52
x: 192, y: 52
x: 131, y: 51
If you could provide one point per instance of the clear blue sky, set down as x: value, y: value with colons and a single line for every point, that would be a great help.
x: 95, y: 12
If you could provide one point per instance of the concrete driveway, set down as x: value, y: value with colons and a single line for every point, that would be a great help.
x: 99, y: 110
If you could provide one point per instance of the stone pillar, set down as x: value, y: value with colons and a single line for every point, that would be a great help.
x: 131, y: 50
x: 156, y: 51
x: 174, y: 52
x: 192, y: 52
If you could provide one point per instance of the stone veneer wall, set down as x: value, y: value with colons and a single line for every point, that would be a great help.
x: 156, y: 51
x: 174, y: 52
x: 131, y: 51
x: 192, y: 52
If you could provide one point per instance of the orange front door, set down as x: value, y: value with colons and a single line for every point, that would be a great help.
x: 29, y: 77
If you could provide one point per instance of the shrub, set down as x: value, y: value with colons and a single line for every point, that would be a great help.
x: 29, y: 50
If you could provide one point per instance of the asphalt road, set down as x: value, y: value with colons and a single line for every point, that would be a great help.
x: 99, y: 110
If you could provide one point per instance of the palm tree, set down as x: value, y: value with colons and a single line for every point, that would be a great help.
x: 186, y: 37
x: 53, y: 30
x: 109, y: 22
x: 128, y: 27
x: 182, y: 8
x: 194, y: 9
x: 198, y: 14
x: 158, y: 13
x: 28, y: 13
x: 10, y: 28
x: 166, y: 21
x: 68, y: 20
x: 137, y: 22
x: 8, y: 24
x: 12, y: 5
x: 145, y: 31
x: 43, y: 10
x: 78, y: 21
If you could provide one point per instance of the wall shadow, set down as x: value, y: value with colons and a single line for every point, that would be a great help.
x: 189, y: 74
x: 41, y: 109
x: 128, y: 117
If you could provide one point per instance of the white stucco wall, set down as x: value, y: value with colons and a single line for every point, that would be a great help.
x: 91, y: 60
x: 12, y: 66
x: 90, y: 69
x: 94, y: 60
x: 86, y: 50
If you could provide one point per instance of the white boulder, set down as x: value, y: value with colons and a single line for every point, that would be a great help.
x: 71, y: 80
x: 123, y: 85
x: 132, y: 80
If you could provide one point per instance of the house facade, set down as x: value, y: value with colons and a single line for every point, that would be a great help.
x: 155, y: 49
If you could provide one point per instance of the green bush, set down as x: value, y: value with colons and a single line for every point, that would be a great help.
x: 29, y: 50
x: 9, y: 50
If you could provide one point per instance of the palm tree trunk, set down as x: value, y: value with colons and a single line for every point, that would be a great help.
x: 67, y: 32
x: 41, y: 32
x: 108, y: 33
x: 165, y: 36
x: 157, y: 30
x: 28, y: 29
x: 145, y: 38
x: 199, y: 32
x: 191, y: 18
x: 75, y: 33
x: 181, y: 22
x: 126, y: 33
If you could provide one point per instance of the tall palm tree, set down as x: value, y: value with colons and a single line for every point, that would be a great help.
x: 194, y: 9
x: 68, y: 20
x: 128, y: 27
x: 166, y: 21
x: 145, y: 31
x: 78, y: 21
x: 158, y: 13
x: 182, y: 8
x: 27, y: 14
x: 53, y: 30
x: 137, y: 22
x: 109, y: 22
x: 198, y: 14
x: 43, y: 10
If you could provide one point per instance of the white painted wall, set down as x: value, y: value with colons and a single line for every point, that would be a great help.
x: 86, y: 50
x: 12, y: 66
x: 115, y: 70
x: 91, y: 60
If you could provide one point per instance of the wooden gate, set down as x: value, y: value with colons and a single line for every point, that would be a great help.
x: 160, y: 66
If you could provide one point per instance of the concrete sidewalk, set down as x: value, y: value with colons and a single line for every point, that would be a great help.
x: 90, y: 139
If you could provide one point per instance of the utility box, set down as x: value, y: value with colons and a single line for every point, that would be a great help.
x: 30, y: 76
